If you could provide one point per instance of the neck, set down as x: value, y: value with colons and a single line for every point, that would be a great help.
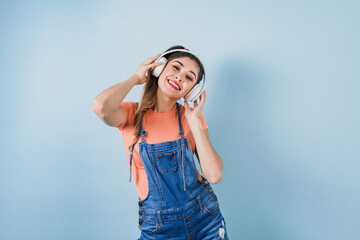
x: 164, y: 103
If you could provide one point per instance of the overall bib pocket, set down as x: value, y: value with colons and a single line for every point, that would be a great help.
x: 166, y: 162
x: 211, y: 205
x: 150, y: 226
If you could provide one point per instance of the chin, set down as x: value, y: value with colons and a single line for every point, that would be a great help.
x: 169, y: 93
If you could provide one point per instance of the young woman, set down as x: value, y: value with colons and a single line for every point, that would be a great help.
x: 161, y: 137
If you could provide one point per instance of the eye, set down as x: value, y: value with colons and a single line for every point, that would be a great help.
x: 189, y: 78
x: 176, y: 68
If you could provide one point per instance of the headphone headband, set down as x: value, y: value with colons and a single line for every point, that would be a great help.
x: 175, y: 50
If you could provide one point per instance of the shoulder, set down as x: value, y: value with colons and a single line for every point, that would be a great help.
x: 130, y: 109
x: 128, y: 105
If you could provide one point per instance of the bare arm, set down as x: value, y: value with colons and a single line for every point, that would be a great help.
x: 107, y: 104
x: 210, y: 162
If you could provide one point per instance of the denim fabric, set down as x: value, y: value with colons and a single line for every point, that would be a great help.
x: 178, y: 204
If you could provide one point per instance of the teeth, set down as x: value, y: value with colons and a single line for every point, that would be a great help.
x: 171, y: 82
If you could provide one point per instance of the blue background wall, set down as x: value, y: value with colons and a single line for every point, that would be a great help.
x: 282, y: 108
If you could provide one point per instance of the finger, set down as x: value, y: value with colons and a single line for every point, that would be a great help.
x: 152, y: 58
x: 155, y: 64
x: 202, y: 99
x: 186, y: 104
x: 156, y: 56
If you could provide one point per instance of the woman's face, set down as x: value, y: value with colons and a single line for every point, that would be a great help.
x: 178, y: 77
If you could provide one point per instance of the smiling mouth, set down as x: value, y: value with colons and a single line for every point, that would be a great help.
x: 173, y: 84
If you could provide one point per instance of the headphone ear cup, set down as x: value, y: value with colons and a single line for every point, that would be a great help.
x: 158, y: 69
x: 190, y: 97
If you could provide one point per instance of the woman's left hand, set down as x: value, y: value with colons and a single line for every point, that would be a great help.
x: 192, y: 114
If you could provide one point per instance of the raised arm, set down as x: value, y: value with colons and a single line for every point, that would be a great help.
x: 210, y: 162
x: 107, y: 104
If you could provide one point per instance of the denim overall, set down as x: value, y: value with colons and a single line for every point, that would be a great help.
x: 178, y: 204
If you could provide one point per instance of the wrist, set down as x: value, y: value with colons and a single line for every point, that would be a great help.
x: 133, y: 79
x: 194, y: 123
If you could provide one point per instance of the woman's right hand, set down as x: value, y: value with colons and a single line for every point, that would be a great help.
x: 143, y: 68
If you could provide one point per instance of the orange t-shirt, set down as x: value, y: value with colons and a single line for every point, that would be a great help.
x: 160, y: 127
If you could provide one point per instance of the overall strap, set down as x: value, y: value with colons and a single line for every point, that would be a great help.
x: 179, y: 119
x: 182, y: 145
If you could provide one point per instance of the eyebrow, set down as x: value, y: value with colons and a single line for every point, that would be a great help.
x: 183, y: 66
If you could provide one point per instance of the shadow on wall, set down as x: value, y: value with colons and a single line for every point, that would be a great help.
x: 254, y: 185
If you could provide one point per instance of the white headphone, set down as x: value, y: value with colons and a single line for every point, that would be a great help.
x: 195, y: 92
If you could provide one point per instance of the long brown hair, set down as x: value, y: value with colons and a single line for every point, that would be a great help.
x: 148, y: 95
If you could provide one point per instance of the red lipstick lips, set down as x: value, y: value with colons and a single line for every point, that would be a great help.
x: 173, y: 84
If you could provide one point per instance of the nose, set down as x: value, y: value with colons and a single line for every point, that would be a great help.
x: 177, y: 78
